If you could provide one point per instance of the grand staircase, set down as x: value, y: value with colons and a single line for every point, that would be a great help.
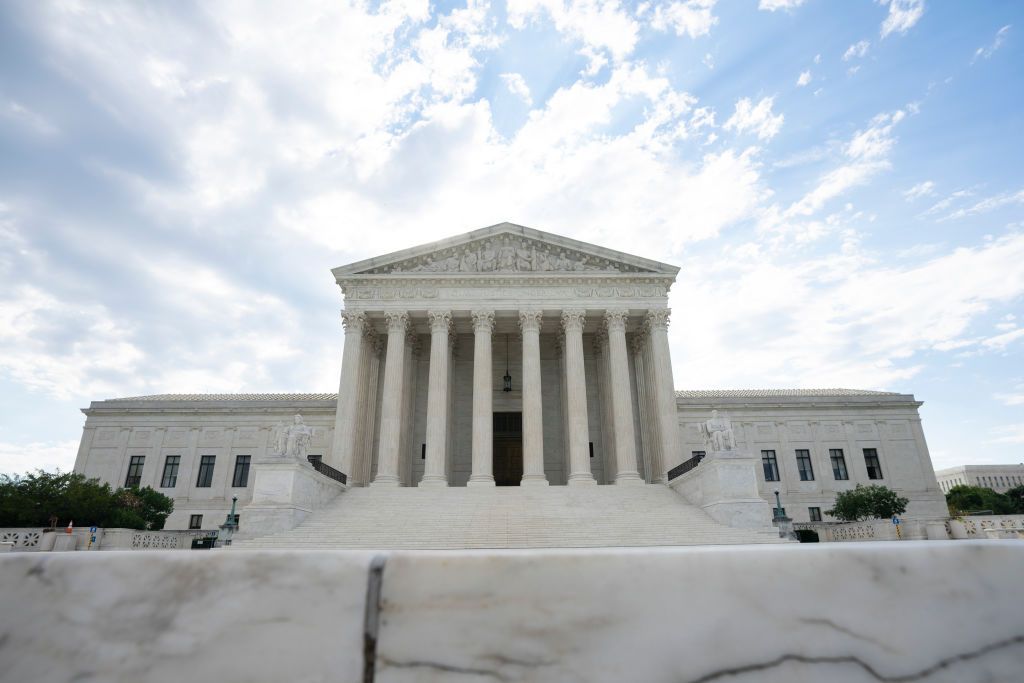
x: 508, y: 517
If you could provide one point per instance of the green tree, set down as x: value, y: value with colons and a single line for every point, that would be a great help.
x: 32, y: 499
x: 1016, y: 498
x: 867, y: 502
x: 962, y: 499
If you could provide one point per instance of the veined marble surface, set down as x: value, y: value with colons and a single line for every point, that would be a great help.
x: 896, y: 611
x: 908, y: 611
x: 182, y: 617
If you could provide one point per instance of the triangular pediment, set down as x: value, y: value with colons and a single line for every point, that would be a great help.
x: 505, y: 248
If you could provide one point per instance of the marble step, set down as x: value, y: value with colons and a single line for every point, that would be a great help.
x: 512, y: 517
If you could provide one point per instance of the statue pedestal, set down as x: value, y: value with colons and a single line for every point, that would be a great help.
x: 724, y: 485
x: 284, y: 493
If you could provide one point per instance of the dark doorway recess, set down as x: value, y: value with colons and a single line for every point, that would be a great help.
x: 508, y: 449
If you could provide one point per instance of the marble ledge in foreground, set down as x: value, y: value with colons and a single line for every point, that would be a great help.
x: 909, y: 611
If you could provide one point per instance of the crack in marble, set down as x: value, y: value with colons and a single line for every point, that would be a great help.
x: 438, y: 666
x: 821, y: 621
x: 850, y: 659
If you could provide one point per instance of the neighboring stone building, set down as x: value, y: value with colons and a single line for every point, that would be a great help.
x: 999, y: 478
x: 509, y: 356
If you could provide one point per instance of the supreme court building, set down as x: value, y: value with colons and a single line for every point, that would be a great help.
x: 508, y: 356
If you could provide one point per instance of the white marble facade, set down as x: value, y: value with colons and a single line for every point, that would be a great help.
x: 426, y: 333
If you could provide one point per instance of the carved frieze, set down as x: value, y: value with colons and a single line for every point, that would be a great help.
x: 506, y: 254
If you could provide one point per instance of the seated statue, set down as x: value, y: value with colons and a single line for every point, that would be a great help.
x: 293, y: 441
x: 717, y: 433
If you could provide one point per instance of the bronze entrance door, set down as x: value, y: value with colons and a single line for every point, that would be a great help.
x: 508, y: 449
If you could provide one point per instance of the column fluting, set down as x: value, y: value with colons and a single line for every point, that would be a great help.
x: 622, y: 407
x: 437, y: 400
x: 576, y: 399
x: 533, y: 428
x: 483, y: 414
x: 391, y: 404
x: 665, y: 394
x: 344, y: 441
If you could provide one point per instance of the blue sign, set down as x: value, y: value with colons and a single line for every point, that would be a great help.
x: 895, y: 519
x: 92, y: 529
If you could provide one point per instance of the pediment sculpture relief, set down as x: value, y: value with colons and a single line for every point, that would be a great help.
x: 505, y: 254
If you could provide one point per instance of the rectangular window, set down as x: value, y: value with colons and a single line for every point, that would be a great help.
x: 134, y: 477
x: 874, y: 466
x: 205, y: 478
x: 170, y: 478
x: 195, y: 522
x: 803, y: 464
x: 814, y: 514
x: 838, y: 463
x: 423, y: 451
x: 241, y: 478
x: 591, y: 448
x: 771, y: 467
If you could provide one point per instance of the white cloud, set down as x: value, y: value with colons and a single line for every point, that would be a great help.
x: 755, y: 118
x: 922, y: 189
x: 804, y: 79
x: 858, y: 49
x: 983, y: 206
x: 772, y: 5
x: 708, y: 60
x: 817, y: 59
x: 516, y: 85
x: 990, y: 49
x: 603, y: 26
x: 866, y: 154
x: 1012, y: 399
x: 35, y: 122
x: 686, y: 17
x: 838, y: 319
x: 1011, y: 434
x: 28, y: 457
x: 903, y: 14
x: 1001, y: 341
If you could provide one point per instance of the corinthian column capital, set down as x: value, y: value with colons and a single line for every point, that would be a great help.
x: 483, y: 321
x: 573, y: 319
x: 440, y: 321
x: 657, y: 318
x: 530, y: 320
x: 398, y: 321
x: 353, y: 321
x: 615, y: 318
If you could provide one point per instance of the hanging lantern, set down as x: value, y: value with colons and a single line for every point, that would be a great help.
x: 508, y: 378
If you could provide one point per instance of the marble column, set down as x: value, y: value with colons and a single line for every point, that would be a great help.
x: 437, y: 400
x: 345, y: 430
x: 391, y: 405
x: 576, y: 399
x: 483, y: 414
x: 665, y: 393
x: 637, y: 345
x: 658, y: 468
x: 622, y: 406
x: 408, y: 422
x: 366, y: 411
x: 607, y: 422
x: 533, y: 407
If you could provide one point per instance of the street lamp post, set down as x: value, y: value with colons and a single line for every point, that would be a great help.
x: 227, y: 529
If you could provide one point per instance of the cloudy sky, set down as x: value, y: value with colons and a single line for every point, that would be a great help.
x: 841, y: 184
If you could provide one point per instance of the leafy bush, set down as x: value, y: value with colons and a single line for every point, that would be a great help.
x: 962, y: 499
x: 868, y: 502
x: 32, y: 499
